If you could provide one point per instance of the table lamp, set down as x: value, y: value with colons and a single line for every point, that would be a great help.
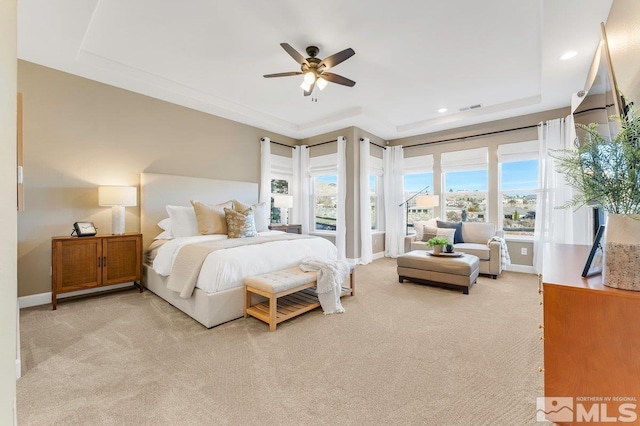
x: 284, y: 203
x: 118, y: 197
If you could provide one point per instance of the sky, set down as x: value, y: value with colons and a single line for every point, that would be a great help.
x: 515, y: 176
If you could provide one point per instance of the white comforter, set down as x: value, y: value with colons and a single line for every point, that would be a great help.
x: 225, y: 269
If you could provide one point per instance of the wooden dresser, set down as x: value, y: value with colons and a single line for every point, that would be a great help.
x: 591, y: 338
x: 81, y: 263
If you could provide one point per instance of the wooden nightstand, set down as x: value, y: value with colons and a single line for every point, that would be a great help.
x: 80, y: 263
x: 291, y: 229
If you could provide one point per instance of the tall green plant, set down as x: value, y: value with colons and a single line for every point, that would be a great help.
x: 605, y: 172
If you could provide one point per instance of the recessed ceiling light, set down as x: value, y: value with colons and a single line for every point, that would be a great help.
x: 568, y: 55
x: 442, y: 110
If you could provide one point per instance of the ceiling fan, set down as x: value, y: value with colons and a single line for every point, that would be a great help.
x: 314, y: 69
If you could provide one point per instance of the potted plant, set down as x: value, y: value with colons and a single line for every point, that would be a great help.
x: 437, y: 243
x: 606, y: 173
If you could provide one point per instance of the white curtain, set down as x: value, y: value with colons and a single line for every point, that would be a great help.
x: 394, y: 196
x: 341, y: 213
x: 301, y: 188
x: 366, y: 246
x: 265, y: 171
x: 554, y: 224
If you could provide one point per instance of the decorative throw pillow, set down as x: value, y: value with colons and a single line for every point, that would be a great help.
x: 454, y: 225
x: 419, y: 225
x: 429, y: 232
x: 262, y: 213
x: 183, y: 221
x: 211, y: 218
x: 240, y: 224
x: 447, y: 233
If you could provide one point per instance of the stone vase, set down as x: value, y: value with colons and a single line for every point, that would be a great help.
x: 437, y: 249
x: 621, y: 264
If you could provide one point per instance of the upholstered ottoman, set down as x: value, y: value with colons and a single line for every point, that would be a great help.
x: 452, y: 272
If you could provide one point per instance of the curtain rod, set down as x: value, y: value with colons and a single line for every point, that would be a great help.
x: 461, y: 138
x: 277, y: 143
x: 373, y: 143
x: 322, y: 143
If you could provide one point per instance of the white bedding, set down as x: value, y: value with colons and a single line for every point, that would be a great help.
x: 225, y: 269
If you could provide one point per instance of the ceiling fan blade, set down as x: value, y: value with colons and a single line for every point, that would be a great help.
x: 307, y: 93
x: 333, y: 60
x: 283, y: 74
x: 294, y: 54
x: 335, y: 78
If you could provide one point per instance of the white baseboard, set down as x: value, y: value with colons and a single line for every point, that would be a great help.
x: 525, y: 269
x: 378, y: 255
x: 45, y: 298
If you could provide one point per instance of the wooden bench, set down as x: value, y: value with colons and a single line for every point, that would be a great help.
x: 289, y: 293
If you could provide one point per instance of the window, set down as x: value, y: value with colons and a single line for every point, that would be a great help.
x: 465, y: 196
x: 518, y: 188
x: 465, y: 184
x: 519, y: 168
x: 413, y: 183
x: 278, y: 186
x: 325, y: 198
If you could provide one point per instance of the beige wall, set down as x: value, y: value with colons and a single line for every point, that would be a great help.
x: 8, y: 218
x: 623, y: 35
x: 80, y: 134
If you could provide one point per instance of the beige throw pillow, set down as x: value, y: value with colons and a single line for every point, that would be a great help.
x: 240, y: 224
x: 447, y: 233
x: 211, y: 218
x: 261, y: 211
x: 429, y: 232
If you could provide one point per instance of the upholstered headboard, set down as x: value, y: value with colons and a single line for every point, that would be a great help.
x: 158, y: 190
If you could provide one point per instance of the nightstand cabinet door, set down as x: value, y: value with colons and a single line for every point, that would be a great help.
x: 76, y: 264
x: 121, y: 259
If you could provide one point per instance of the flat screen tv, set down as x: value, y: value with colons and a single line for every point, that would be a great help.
x: 601, y: 98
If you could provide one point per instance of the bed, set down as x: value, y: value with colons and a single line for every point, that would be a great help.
x: 221, y: 300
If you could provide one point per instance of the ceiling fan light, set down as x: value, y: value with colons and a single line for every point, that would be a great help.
x: 309, y: 78
x: 321, y: 83
x: 305, y: 86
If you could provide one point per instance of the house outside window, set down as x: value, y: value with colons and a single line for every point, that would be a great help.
x: 466, y: 196
x: 418, y: 174
x: 413, y: 183
x: 278, y: 186
x: 325, y: 198
x: 281, y: 178
x: 465, y: 185
x: 519, y: 169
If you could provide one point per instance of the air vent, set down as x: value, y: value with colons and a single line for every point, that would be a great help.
x: 470, y: 107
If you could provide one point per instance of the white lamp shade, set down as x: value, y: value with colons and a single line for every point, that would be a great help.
x: 117, y: 196
x: 283, y: 201
x: 424, y: 200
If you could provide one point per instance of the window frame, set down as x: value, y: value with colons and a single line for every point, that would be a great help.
x: 314, y: 201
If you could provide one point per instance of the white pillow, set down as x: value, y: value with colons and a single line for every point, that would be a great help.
x: 447, y: 233
x: 183, y: 221
x: 262, y: 216
x: 165, y: 225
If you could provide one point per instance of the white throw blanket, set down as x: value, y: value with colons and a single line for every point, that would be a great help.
x: 504, y: 253
x: 331, y: 275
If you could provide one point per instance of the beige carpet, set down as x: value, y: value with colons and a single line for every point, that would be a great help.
x: 402, y: 354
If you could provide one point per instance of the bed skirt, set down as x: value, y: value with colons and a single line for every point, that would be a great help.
x: 209, y: 309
